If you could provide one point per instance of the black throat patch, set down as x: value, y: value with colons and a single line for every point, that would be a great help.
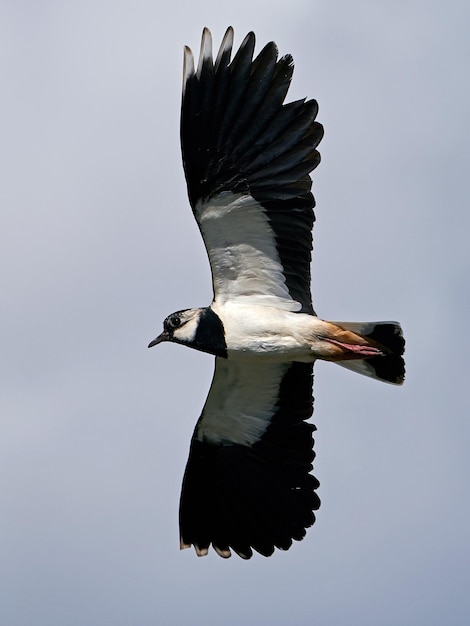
x: 210, y: 335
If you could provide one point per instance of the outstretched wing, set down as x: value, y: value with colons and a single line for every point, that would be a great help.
x: 247, y: 484
x: 247, y: 158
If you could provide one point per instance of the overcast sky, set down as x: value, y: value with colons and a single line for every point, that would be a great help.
x: 98, y: 245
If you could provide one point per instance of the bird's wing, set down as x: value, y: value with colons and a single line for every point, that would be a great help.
x: 247, y: 483
x: 247, y: 158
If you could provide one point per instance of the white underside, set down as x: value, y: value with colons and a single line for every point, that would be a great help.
x: 270, y: 332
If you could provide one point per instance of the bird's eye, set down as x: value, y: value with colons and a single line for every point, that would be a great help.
x: 175, y: 322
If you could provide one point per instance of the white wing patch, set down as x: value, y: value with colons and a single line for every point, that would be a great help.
x: 241, y: 402
x: 242, y: 251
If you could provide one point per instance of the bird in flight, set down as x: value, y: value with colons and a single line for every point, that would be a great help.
x: 247, y: 157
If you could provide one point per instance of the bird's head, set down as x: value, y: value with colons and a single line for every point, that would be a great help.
x: 179, y: 327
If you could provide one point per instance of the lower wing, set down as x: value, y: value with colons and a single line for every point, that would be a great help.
x: 247, y: 483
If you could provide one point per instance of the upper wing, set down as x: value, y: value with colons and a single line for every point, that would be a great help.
x: 247, y: 159
x: 247, y: 483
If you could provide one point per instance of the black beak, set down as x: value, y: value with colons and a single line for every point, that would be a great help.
x: 163, y: 337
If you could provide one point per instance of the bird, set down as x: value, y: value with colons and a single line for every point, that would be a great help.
x: 247, y: 157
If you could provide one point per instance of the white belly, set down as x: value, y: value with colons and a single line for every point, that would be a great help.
x: 254, y: 330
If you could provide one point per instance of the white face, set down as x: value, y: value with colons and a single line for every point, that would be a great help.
x: 182, y: 325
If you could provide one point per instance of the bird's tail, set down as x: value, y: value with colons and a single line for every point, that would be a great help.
x: 388, y: 367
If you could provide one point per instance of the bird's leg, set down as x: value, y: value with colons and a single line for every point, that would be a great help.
x: 359, y: 351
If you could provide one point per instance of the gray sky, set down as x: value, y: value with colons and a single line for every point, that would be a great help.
x: 97, y: 245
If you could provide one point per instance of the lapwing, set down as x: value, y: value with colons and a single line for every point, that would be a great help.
x: 247, y: 157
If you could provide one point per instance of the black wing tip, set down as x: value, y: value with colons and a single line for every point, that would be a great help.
x: 235, y: 121
x: 263, y: 544
x: 205, y: 53
x: 245, y: 547
x: 244, y: 53
x: 225, y: 50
